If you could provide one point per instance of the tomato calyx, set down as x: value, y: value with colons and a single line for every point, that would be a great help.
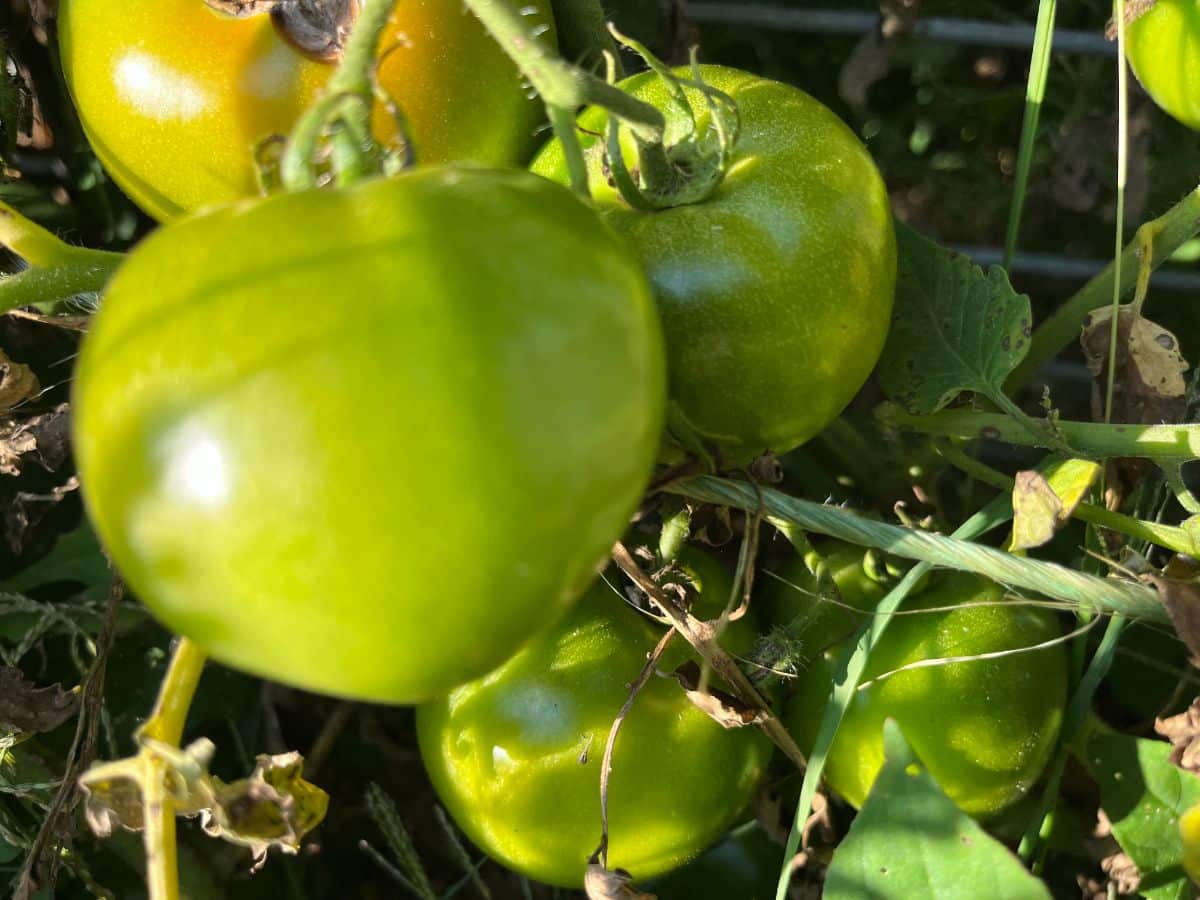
x: 687, y: 169
x: 316, y: 28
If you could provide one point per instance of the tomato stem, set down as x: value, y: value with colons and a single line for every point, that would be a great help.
x: 583, y: 33
x: 344, y: 109
x: 165, y: 726
x: 58, y: 271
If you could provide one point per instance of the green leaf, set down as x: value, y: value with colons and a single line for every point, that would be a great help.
x: 955, y: 328
x: 1144, y: 795
x: 76, y: 557
x: 8, y: 852
x: 910, y: 840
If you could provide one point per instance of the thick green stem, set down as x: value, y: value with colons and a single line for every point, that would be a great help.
x: 1086, y: 592
x: 1162, y: 443
x: 1165, y: 235
x: 583, y: 34
x: 42, y: 249
x: 348, y: 99
x: 58, y: 271
x: 1164, y: 535
x: 165, y: 726
x: 559, y: 83
x: 42, y: 287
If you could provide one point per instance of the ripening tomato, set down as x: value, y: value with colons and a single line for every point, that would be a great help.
x: 516, y: 755
x: 174, y: 96
x: 984, y: 728
x: 368, y: 441
x: 776, y: 292
x: 1163, y: 46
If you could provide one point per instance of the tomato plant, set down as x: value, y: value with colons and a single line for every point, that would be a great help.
x: 515, y: 756
x: 984, y: 728
x: 1163, y: 46
x: 175, y: 96
x: 306, y: 431
x: 775, y: 292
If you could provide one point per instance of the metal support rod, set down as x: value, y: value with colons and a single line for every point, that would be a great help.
x: 1065, y: 268
x: 959, y: 31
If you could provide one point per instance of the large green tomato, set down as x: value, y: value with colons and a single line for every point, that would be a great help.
x: 1163, y: 47
x: 985, y: 729
x: 515, y: 756
x: 368, y: 441
x: 175, y: 96
x: 776, y: 292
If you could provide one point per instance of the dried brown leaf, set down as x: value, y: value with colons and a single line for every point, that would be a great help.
x: 273, y: 807
x: 17, y: 383
x: 1183, y: 731
x: 1179, y: 589
x: 46, y: 438
x: 602, y: 884
x: 26, y: 708
x: 723, y: 708
x: 1037, y: 511
x: 1149, y: 388
x: 1123, y: 872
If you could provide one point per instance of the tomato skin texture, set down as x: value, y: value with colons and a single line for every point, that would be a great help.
x: 305, y: 428
x: 1163, y: 47
x: 174, y: 96
x: 776, y: 292
x: 984, y: 729
x: 504, y: 754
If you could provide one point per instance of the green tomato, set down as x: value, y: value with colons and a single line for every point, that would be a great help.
x: 1163, y: 46
x: 985, y: 729
x: 306, y: 426
x: 516, y: 755
x: 174, y: 96
x: 776, y: 292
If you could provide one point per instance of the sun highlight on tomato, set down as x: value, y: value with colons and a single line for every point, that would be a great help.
x: 330, y: 453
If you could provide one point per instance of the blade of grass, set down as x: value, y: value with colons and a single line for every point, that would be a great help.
x: 1035, y: 91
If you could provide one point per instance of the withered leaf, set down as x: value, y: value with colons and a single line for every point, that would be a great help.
x: 724, y: 709
x: 1149, y: 387
x: 45, y: 438
x: 26, y: 708
x: 600, y: 883
x: 243, y: 9
x: 1179, y: 589
x: 1123, y: 872
x: 1037, y: 512
x: 1183, y: 731
x: 1043, y: 505
x: 17, y: 383
x: 273, y: 807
